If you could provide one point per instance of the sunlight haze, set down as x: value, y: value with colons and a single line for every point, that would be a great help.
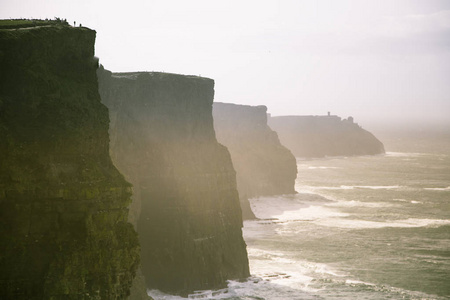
x: 378, y: 61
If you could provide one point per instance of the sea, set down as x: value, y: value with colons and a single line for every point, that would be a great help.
x: 367, y: 227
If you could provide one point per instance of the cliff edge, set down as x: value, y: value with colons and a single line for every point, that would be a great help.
x: 63, y: 205
x: 185, y: 201
x: 263, y: 166
x: 319, y: 136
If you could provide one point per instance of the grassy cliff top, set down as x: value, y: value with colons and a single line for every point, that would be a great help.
x: 158, y: 75
x: 234, y: 106
x: 26, y: 23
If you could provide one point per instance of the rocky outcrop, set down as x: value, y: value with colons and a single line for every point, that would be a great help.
x: 319, y: 136
x: 185, y: 201
x: 63, y: 205
x: 264, y: 167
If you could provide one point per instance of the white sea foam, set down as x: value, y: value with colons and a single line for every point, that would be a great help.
x: 283, y: 211
x: 363, y: 224
x: 401, y: 200
x: 351, y: 187
x: 378, y: 187
x: 353, y: 282
x: 158, y: 295
x: 278, y: 257
x: 266, y: 208
x: 403, y: 154
x: 410, y: 201
x: 302, y: 207
x: 310, y: 213
x: 354, y: 203
x: 438, y: 189
x: 321, y: 167
x: 260, y: 253
x: 279, y: 268
x: 274, y: 276
x: 272, y: 207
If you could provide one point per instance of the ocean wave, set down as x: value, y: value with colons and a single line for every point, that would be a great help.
x: 282, y: 269
x: 400, y: 199
x: 377, y: 187
x: 351, y: 187
x: 272, y: 285
x: 404, y: 154
x: 273, y: 207
x: 363, y: 224
x: 158, y: 295
x: 438, y: 189
x: 276, y: 276
x: 354, y: 203
x: 321, y: 167
x: 283, y: 211
x: 410, y: 201
x: 257, y: 254
x: 310, y: 213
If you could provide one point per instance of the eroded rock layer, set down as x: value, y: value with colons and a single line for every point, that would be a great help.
x: 319, y: 136
x: 264, y: 167
x: 63, y: 205
x: 185, y: 198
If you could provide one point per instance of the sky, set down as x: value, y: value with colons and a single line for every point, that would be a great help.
x: 380, y: 61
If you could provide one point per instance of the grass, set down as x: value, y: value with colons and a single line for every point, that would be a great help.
x: 24, y: 23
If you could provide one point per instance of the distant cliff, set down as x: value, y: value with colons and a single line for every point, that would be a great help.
x: 263, y: 166
x: 319, y: 136
x: 63, y: 205
x: 185, y: 199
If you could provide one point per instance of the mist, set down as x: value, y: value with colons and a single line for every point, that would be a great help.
x: 386, y: 63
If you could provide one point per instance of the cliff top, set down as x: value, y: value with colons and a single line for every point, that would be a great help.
x: 307, y: 117
x: 247, y: 117
x: 17, y: 28
x: 156, y: 75
x: 241, y: 106
x: 307, y: 121
x: 29, y: 23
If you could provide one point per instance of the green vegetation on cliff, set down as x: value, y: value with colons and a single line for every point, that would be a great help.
x: 63, y: 205
x: 26, y: 23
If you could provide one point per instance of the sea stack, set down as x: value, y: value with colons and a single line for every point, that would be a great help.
x: 185, y: 203
x: 319, y: 136
x: 264, y: 167
x: 63, y: 205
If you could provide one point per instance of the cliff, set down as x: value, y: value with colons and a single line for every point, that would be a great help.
x: 264, y: 167
x: 63, y: 205
x: 319, y: 136
x: 185, y: 200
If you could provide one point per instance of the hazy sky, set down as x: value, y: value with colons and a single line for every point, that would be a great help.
x: 379, y: 61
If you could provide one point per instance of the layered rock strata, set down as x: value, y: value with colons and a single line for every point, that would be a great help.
x: 319, y: 136
x: 63, y: 205
x: 185, y: 203
x: 263, y: 166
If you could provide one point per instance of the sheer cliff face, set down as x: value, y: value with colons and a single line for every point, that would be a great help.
x: 185, y: 198
x: 319, y: 136
x: 263, y: 166
x: 63, y: 205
